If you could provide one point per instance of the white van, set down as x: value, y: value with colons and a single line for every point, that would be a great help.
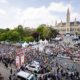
x: 21, y: 75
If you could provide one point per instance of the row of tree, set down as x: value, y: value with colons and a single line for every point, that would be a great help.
x: 26, y: 34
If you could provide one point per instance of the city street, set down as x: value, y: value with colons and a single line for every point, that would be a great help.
x: 5, y: 71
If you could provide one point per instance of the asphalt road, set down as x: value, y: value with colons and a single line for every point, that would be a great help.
x: 5, y: 71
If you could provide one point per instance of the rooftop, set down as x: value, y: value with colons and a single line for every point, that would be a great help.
x: 71, y: 23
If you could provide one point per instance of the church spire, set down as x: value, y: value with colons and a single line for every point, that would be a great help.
x: 68, y: 16
x: 75, y: 26
x: 75, y: 23
x: 68, y: 21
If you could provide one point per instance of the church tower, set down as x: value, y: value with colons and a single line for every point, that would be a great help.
x: 60, y: 27
x: 68, y: 21
x: 75, y: 26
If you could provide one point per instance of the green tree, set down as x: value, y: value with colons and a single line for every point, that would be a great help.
x: 17, y: 34
x: 36, y: 36
x: 40, y: 30
x: 20, y: 30
x: 7, y: 29
x: 13, y: 35
x: 53, y: 32
x: 3, y: 36
x: 28, y: 31
x: 28, y: 39
x: 46, y: 32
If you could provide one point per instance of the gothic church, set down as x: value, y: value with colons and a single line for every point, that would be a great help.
x: 68, y: 27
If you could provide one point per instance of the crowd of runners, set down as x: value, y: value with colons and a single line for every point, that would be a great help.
x: 50, y: 67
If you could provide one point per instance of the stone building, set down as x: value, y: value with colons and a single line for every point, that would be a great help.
x: 68, y: 27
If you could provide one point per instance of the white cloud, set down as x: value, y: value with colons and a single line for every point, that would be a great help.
x: 2, y: 12
x: 59, y: 7
x: 33, y: 17
x: 3, y: 1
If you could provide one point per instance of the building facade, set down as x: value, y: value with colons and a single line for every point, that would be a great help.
x: 68, y: 27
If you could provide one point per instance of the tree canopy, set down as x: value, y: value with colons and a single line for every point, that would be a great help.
x: 28, y: 34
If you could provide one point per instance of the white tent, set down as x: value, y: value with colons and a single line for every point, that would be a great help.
x: 40, y: 41
x: 34, y: 43
x: 24, y: 45
x: 45, y: 41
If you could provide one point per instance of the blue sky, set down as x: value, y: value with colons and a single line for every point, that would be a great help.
x: 32, y: 13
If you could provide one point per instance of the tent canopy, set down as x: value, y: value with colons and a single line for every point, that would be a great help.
x: 24, y: 44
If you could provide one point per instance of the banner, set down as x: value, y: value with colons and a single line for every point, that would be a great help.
x: 20, y: 58
x: 18, y: 62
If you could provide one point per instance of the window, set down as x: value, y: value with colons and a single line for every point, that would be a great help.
x: 32, y: 66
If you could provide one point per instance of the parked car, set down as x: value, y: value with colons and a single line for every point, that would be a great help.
x: 21, y: 75
x: 34, y: 66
